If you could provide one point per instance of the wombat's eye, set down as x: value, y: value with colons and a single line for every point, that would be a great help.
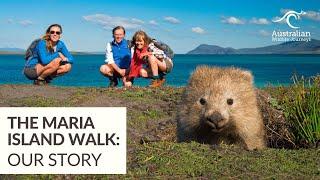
x: 229, y: 101
x: 202, y: 101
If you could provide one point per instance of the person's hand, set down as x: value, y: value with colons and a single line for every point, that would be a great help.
x: 144, y: 54
x: 126, y: 82
x: 62, y: 56
x: 122, y: 72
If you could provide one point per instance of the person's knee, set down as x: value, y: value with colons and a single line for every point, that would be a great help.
x: 66, y: 68
x: 106, y: 70
x: 102, y: 67
x: 54, y: 64
x: 162, y: 67
x: 143, y: 73
x: 152, y: 59
x: 56, y: 61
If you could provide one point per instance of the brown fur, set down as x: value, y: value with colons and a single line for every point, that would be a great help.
x: 216, y: 121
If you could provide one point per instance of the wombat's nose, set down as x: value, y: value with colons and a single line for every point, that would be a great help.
x: 215, y: 117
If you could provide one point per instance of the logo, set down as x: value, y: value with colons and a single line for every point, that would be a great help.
x: 290, y: 14
x: 293, y: 35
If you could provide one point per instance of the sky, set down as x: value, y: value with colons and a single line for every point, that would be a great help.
x: 182, y: 24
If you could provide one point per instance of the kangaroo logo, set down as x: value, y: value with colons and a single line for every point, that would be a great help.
x: 288, y: 15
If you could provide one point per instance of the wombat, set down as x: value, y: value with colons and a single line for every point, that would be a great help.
x: 220, y: 105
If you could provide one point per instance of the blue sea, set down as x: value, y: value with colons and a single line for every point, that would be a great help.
x: 267, y: 69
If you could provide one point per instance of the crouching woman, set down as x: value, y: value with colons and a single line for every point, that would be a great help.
x: 49, y: 58
x: 148, y: 61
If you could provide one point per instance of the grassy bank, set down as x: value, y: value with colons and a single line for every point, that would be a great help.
x: 151, y: 114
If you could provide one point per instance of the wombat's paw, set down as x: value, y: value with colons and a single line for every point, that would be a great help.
x: 254, y: 148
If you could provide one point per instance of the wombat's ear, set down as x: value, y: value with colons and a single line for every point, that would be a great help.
x: 247, y: 75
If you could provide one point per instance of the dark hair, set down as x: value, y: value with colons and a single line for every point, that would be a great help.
x: 46, y: 37
x: 141, y: 35
x: 118, y: 27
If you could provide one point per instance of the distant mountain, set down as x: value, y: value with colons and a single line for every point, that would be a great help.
x: 12, y: 49
x: 22, y: 51
x: 97, y: 52
x: 212, y: 49
x: 312, y: 47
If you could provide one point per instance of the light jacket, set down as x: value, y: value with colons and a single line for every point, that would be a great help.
x: 44, y: 57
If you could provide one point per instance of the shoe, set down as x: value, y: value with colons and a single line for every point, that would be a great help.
x: 48, y: 79
x: 39, y: 82
x: 161, y: 81
x: 113, y: 81
x: 162, y: 75
x: 154, y: 83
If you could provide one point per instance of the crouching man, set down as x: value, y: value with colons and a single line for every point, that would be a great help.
x: 118, y: 57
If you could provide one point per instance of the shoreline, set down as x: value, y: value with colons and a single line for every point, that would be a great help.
x: 133, y: 87
x: 186, y: 54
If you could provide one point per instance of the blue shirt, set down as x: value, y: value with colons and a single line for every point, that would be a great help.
x: 44, y: 57
x: 120, y: 54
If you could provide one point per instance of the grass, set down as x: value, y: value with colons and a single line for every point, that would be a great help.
x: 163, y: 160
x: 303, y: 109
x: 35, y: 101
x: 300, y: 104
x: 79, y: 96
x: 195, y: 160
x: 139, y: 119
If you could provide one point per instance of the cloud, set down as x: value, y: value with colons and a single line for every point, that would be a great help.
x: 172, y: 20
x: 277, y: 18
x: 10, y: 21
x: 153, y: 22
x: 263, y: 33
x: 232, y: 20
x: 283, y: 11
x: 22, y: 22
x: 260, y: 21
x: 109, y: 22
x: 138, y: 21
x: 313, y: 15
x: 198, y: 30
x: 26, y: 22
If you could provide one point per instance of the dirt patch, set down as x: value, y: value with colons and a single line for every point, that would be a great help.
x: 21, y: 91
x: 277, y: 128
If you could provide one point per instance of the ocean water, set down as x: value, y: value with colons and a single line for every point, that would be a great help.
x: 267, y: 69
